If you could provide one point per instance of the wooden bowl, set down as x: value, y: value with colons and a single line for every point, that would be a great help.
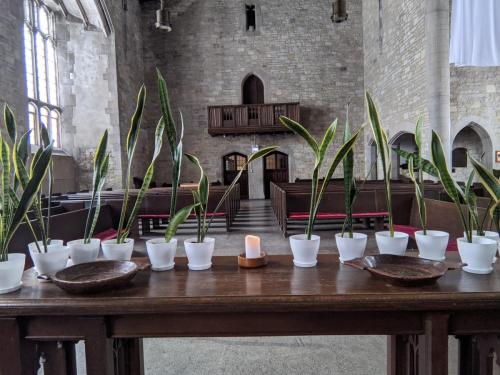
x: 245, y: 262
x: 402, y: 270
x: 95, y: 277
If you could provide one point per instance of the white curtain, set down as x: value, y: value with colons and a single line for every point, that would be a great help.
x: 475, y: 33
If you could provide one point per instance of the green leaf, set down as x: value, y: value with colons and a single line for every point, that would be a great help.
x: 488, y: 180
x: 166, y: 111
x: 471, y: 201
x: 135, y: 124
x: 301, y: 131
x: 418, y: 163
x: 179, y: 218
x: 44, y: 134
x: 418, y: 132
x: 10, y: 123
x: 348, y: 166
x: 326, y: 142
x: 422, y: 210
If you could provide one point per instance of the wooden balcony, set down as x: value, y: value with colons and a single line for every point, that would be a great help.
x: 250, y: 118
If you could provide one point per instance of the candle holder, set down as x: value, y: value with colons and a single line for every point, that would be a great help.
x: 245, y: 262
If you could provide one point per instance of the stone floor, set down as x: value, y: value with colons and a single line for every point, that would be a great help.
x: 337, y: 355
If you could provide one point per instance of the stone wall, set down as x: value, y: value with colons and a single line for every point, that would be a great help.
x: 298, y: 53
x: 475, y: 99
x: 394, y: 63
x: 12, y: 84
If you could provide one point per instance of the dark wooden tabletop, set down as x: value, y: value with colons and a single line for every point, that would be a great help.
x: 330, y: 286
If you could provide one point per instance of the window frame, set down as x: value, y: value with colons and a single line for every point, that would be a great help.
x: 51, y: 79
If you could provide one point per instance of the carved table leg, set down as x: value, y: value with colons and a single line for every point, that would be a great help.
x: 98, y: 348
x: 435, y: 345
x: 10, y: 342
x: 128, y: 355
x: 403, y: 355
x: 478, y: 353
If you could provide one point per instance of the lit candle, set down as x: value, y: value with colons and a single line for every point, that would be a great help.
x: 252, y: 247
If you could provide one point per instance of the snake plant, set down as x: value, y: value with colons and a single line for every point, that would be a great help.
x: 175, y: 143
x: 349, y: 183
x: 124, y: 224
x: 418, y: 179
x: 17, y: 198
x: 320, y: 150
x: 101, y: 165
x: 492, y: 186
x: 384, y: 151
x: 453, y: 190
x: 202, y: 192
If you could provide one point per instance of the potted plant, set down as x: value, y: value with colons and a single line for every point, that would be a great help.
x: 87, y: 249
x: 431, y: 244
x: 121, y: 248
x: 199, y: 250
x: 476, y: 252
x: 305, y: 247
x: 161, y: 251
x: 388, y: 242
x: 15, y: 199
x: 349, y: 243
x: 492, y: 186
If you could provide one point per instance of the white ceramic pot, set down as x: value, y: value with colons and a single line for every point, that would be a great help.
x: 492, y: 236
x: 350, y: 248
x: 305, y: 252
x: 55, y: 259
x: 161, y: 254
x: 199, y: 254
x: 478, y: 254
x: 118, y: 251
x: 391, y: 245
x: 432, y: 245
x: 11, y: 273
x: 84, y: 252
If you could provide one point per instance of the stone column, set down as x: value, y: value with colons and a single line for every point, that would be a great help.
x: 256, y: 180
x: 437, y: 43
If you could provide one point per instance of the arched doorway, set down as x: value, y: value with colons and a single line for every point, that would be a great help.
x: 231, y: 165
x: 253, y: 90
x: 275, y: 170
x: 474, y: 140
x: 401, y: 141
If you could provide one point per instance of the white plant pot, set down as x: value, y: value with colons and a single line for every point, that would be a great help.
x: 54, y: 260
x: 492, y: 236
x: 161, y: 254
x: 391, y: 245
x: 432, y: 245
x: 11, y: 273
x: 118, y: 251
x: 84, y: 252
x: 305, y: 252
x: 199, y: 254
x: 350, y: 248
x: 478, y: 254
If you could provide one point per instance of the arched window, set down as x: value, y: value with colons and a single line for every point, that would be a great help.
x: 253, y: 90
x: 459, y: 158
x: 41, y: 71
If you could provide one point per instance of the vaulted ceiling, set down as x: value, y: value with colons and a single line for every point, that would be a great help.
x: 90, y: 12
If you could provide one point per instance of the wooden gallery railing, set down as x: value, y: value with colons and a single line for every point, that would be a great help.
x: 250, y: 118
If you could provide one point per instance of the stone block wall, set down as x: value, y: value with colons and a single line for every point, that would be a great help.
x: 298, y: 53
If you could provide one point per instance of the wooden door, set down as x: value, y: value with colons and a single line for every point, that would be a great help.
x: 275, y: 170
x: 232, y: 164
x: 253, y: 90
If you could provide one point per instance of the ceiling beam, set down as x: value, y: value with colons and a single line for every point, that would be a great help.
x: 104, y: 15
x: 85, y: 18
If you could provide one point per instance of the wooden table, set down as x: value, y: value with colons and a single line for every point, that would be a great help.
x: 330, y: 299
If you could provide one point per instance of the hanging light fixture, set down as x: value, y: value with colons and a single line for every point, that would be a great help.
x: 339, y: 11
x: 163, y: 18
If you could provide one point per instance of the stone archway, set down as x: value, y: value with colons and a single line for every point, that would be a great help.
x: 474, y: 140
x: 405, y: 141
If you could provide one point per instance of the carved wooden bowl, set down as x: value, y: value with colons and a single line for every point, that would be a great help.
x: 402, y: 270
x: 95, y: 277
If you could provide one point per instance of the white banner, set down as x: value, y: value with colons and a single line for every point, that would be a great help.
x: 475, y: 33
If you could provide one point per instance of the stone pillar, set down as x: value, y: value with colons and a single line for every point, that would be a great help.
x: 256, y: 180
x: 437, y: 43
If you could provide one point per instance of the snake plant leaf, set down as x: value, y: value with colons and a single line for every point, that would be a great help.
x: 103, y: 173
x: 10, y: 123
x: 135, y: 124
x: 422, y: 210
x: 471, y: 202
x: 23, y: 147
x: 488, y: 180
x: 31, y: 190
x: 160, y: 127
x: 44, y: 135
x: 339, y: 156
x: 418, y: 163
x: 6, y: 173
x: 419, y: 131
x: 179, y: 218
x: 348, y: 166
x: 166, y: 111
x: 301, y: 131
x: 203, y: 184
x: 326, y: 142
x: 379, y: 135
